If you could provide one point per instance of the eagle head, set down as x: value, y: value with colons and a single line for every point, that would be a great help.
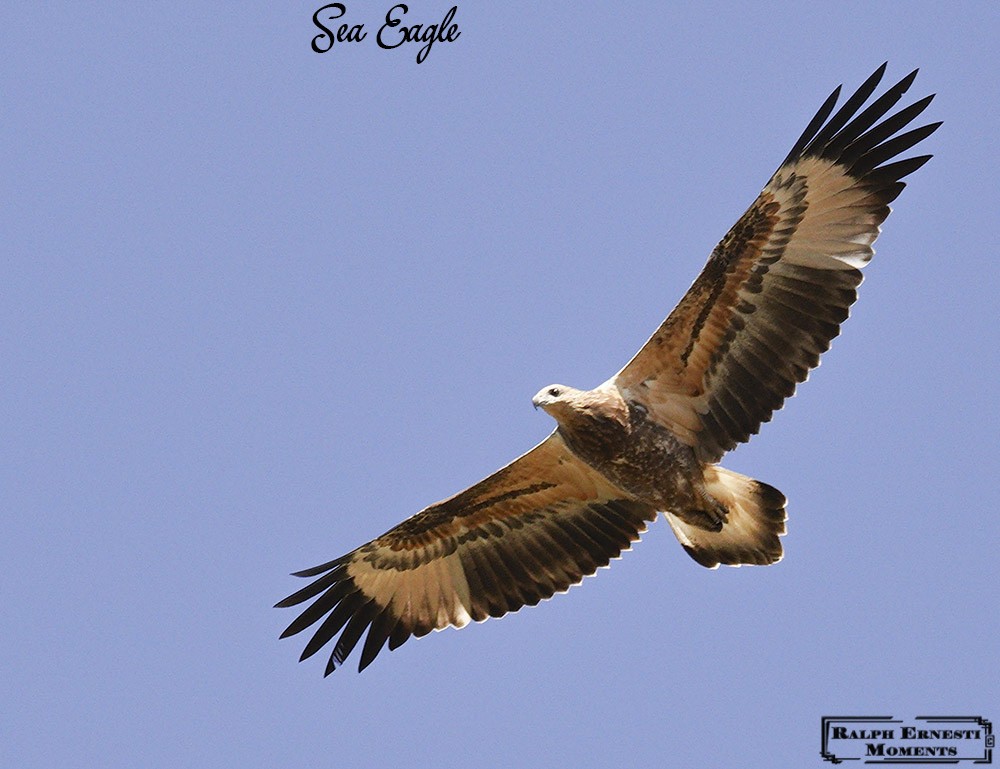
x: 554, y: 399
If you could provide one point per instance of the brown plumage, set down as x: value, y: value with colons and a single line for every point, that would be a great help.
x: 753, y: 324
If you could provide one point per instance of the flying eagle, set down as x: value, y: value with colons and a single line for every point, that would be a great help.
x: 767, y: 304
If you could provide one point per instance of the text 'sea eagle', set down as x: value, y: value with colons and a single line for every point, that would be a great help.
x: 767, y: 304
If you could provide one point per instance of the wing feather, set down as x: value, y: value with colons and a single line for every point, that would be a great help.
x: 381, y: 628
x: 777, y: 287
x: 530, y: 530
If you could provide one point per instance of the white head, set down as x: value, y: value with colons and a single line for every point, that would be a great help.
x: 575, y: 409
x: 555, y: 399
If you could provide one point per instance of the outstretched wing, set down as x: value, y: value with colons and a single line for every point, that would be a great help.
x: 778, y: 286
x: 530, y: 530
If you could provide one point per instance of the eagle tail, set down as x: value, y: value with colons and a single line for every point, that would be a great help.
x: 755, y: 518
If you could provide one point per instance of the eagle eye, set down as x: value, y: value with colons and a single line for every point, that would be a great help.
x: 554, y: 392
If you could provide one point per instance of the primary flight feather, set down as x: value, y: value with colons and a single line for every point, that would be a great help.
x: 767, y: 304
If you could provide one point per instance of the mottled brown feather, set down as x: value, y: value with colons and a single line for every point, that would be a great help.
x: 530, y: 530
x: 777, y: 287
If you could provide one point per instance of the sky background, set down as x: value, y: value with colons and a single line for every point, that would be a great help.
x: 258, y: 305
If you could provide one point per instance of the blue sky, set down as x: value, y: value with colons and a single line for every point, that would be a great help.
x: 261, y: 304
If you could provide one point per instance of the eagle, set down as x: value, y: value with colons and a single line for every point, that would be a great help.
x: 756, y: 320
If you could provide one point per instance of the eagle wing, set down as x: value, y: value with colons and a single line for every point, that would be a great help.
x: 530, y: 530
x: 779, y: 284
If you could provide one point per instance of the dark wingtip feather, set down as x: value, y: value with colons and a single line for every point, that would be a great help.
x: 904, y: 85
x: 314, y: 588
x: 814, y: 125
x: 315, y: 570
x: 865, y: 120
x: 349, y: 613
x: 864, y: 140
x: 355, y: 628
x: 379, y: 632
x: 890, y: 149
x: 877, y: 134
x: 325, y: 603
x: 893, y: 172
x: 399, y: 636
x: 845, y: 113
x: 340, y: 615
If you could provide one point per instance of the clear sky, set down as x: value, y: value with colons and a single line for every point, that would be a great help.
x: 259, y: 305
